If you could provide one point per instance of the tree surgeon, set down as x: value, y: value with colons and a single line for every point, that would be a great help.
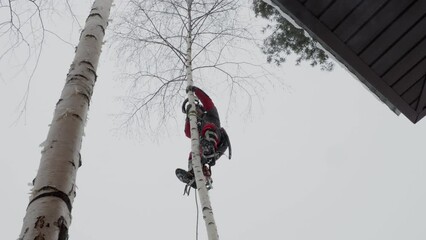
x: 214, y: 140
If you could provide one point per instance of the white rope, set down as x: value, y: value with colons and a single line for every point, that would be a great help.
x: 198, y: 214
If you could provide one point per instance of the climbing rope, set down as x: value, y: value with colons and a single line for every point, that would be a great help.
x: 198, y: 213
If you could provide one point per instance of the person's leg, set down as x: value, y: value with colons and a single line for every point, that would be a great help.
x: 209, y: 140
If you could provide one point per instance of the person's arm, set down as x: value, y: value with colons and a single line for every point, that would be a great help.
x: 212, y: 114
x: 204, y: 98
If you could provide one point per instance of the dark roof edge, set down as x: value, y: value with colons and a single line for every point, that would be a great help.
x: 396, y: 105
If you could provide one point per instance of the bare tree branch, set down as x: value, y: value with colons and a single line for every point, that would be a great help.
x: 150, y: 38
x: 23, y: 33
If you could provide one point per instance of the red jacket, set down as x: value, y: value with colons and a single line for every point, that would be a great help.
x: 210, y: 120
x: 210, y: 116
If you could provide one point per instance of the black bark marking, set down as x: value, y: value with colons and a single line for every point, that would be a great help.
x: 71, y: 79
x: 95, y: 14
x: 94, y: 73
x: 81, y: 35
x: 46, y: 188
x: 72, y: 163
x: 77, y: 77
x: 77, y: 116
x: 23, y: 235
x: 50, y: 146
x: 56, y: 193
x: 206, y: 208
x: 63, y: 229
x: 102, y: 28
x: 92, y: 36
x: 40, y: 222
x: 60, y: 100
x: 71, y: 190
x: 79, y: 160
x: 34, y: 181
x: 81, y: 76
x: 85, y: 96
x: 40, y: 237
x: 86, y: 62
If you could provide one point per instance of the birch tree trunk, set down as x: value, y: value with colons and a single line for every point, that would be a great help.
x: 206, y: 207
x: 48, y: 214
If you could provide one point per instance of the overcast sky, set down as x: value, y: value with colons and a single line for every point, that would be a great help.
x: 321, y: 159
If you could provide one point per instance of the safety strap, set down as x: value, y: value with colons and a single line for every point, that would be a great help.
x: 225, y: 135
x: 188, y: 187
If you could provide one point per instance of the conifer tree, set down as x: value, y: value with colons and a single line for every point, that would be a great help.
x: 285, y: 39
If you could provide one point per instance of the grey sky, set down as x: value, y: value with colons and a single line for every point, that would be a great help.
x: 323, y: 159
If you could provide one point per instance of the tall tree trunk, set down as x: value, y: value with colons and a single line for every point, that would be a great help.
x: 195, y: 141
x: 48, y: 215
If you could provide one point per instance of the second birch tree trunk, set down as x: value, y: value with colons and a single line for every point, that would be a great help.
x: 48, y: 214
x: 206, y: 207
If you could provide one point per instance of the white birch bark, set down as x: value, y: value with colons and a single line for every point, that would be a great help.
x: 206, y: 207
x: 48, y: 214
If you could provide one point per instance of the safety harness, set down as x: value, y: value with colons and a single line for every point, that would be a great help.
x: 224, y: 141
x: 223, y: 134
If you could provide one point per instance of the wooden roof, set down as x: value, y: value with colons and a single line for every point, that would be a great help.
x: 383, y: 42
